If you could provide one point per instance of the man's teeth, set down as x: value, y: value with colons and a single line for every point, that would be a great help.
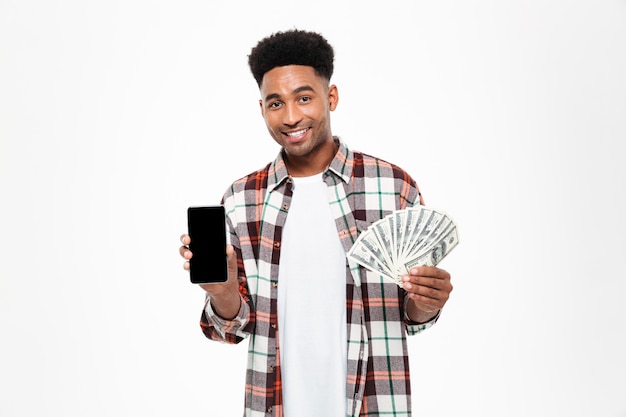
x: 298, y: 133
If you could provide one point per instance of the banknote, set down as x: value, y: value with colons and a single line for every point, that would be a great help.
x: 403, y: 239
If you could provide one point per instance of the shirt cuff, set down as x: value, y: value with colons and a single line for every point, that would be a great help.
x: 414, y: 327
x: 224, y: 325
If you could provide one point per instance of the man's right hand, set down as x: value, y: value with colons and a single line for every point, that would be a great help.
x: 225, y: 297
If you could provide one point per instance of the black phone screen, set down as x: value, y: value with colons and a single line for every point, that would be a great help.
x: 207, y: 230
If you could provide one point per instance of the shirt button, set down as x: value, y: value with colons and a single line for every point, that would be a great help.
x: 273, y: 325
x: 277, y: 244
x: 274, y: 284
x: 271, y: 369
x: 285, y: 206
x: 269, y: 410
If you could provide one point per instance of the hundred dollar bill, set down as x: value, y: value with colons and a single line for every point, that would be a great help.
x: 371, y: 241
x: 404, y: 239
x: 383, y: 230
x: 437, y: 252
x: 435, y: 235
x: 413, y: 218
x: 366, y: 259
x: 426, y: 227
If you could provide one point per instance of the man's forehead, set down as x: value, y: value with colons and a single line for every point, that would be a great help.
x: 289, y: 78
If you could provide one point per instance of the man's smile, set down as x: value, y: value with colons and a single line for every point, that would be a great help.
x: 297, y: 134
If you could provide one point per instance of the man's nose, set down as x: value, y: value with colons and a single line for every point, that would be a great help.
x: 291, y: 115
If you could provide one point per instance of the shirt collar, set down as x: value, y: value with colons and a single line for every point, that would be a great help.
x: 341, y: 165
x: 343, y: 162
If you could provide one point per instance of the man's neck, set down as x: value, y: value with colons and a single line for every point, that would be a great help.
x: 308, y: 165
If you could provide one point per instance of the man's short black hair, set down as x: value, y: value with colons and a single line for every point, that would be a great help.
x: 293, y: 47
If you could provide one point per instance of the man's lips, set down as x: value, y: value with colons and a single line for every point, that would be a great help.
x: 296, y: 135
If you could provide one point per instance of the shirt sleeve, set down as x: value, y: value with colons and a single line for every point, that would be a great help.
x: 222, y: 330
x: 412, y: 327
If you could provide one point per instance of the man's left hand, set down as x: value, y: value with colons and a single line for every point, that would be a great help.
x: 428, y: 288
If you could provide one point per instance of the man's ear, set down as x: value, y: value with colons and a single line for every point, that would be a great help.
x: 261, y: 107
x: 333, y: 97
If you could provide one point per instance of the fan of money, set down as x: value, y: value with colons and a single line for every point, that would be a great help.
x: 416, y: 236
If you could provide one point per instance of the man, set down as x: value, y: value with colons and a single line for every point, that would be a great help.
x: 327, y: 337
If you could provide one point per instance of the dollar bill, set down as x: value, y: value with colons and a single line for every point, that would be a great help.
x: 404, y: 239
x: 436, y: 252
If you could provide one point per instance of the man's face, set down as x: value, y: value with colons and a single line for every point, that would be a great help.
x: 296, y: 105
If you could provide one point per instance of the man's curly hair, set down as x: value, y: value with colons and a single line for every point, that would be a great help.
x: 293, y: 47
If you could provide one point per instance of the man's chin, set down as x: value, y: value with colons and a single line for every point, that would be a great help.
x: 296, y: 148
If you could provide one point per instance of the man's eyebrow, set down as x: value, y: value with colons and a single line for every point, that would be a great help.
x: 296, y: 91
x: 303, y: 88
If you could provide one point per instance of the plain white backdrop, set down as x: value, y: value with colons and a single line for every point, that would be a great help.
x: 116, y: 116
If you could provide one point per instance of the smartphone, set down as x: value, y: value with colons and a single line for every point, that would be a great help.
x: 207, y: 229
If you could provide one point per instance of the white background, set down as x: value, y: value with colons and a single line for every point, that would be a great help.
x: 115, y: 116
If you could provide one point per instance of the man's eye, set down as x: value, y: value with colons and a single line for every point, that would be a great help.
x: 274, y: 105
x: 305, y: 99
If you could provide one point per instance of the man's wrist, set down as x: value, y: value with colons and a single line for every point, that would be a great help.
x: 419, y: 316
x: 227, y: 309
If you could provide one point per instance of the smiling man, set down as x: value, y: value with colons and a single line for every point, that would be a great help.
x: 327, y: 337
x: 296, y: 106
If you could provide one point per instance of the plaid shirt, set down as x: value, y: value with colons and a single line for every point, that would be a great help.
x: 361, y: 190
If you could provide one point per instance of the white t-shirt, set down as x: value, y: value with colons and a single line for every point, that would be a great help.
x: 312, y: 306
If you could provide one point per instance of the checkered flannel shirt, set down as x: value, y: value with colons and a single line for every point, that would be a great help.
x: 361, y: 190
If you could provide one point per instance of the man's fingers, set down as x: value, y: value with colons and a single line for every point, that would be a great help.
x: 431, y: 293
x: 185, y: 252
x: 430, y: 287
x: 430, y: 271
x: 232, y: 261
x: 232, y: 257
